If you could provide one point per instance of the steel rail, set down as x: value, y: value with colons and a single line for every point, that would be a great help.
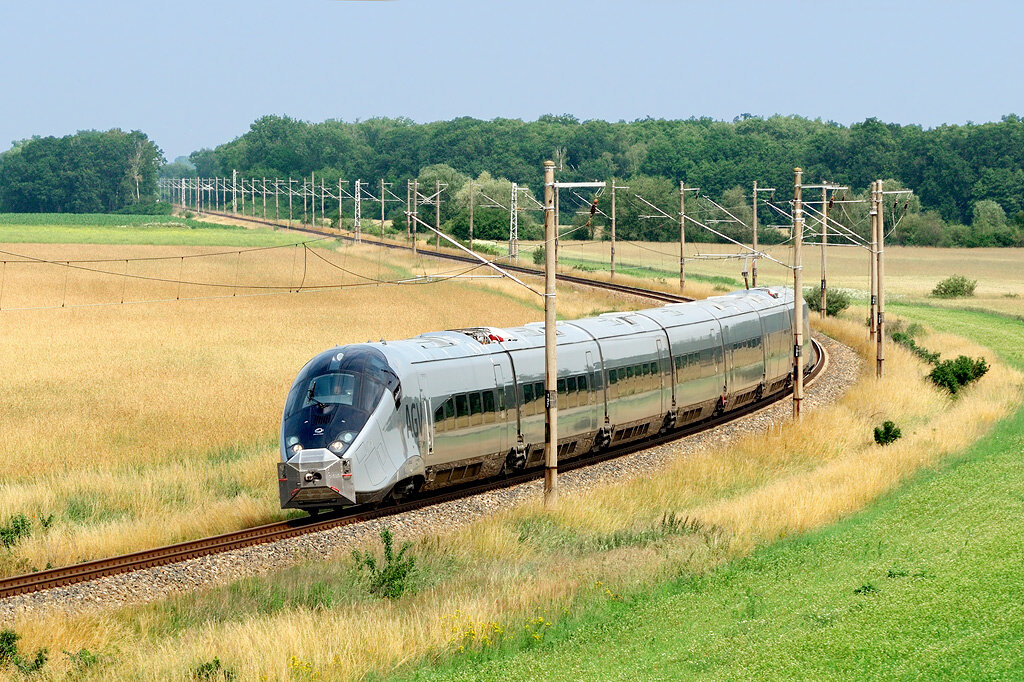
x: 134, y: 561
x: 663, y: 296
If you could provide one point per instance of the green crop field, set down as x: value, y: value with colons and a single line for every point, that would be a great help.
x: 159, y: 230
x: 923, y: 584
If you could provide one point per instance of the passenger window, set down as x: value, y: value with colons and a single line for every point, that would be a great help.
x: 501, y: 400
x: 439, y: 418
x: 570, y: 384
x: 561, y: 386
x: 630, y: 371
x: 475, y: 403
x: 645, y: 369
x: 449, y: 409
x: 527, y: 394
x: 489, y: 401
x: 461, y: 405
x: 582, y: 382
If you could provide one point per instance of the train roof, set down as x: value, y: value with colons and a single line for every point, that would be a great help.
x: 485, y: 341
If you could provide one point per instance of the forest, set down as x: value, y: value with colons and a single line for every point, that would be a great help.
x: 88, y: 172
x: 968, y: 180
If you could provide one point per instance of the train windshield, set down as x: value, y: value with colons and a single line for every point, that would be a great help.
x: 353, y: 380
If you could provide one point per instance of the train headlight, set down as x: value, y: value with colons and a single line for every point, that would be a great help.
x: 348, y: 436
x: 336, y: 447
x: 295, y: 448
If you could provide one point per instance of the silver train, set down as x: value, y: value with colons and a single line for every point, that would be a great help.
x: 367, y: 422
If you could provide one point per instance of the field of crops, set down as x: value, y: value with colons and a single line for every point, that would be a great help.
x: 146, y: 382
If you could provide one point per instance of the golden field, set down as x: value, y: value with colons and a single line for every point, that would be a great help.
x: 129, y: 426
x: 505, y: 572
x: 911, y: 272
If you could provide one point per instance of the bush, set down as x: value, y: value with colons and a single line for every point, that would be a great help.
x: 16, y: 528
x: 836, y: 301
x: 213, y: 670
x: 953, y: 375
x: 955, y: 286
x: 539, y: 255
x: 391, y: 579
x: 905, y: 339
x: 9, y: 654
x: 887, y: 433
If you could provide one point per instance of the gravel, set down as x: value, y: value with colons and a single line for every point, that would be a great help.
x: 159, y: 582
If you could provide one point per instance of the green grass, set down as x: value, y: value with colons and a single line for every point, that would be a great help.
x: 588, y: 265
x: 923, y: 584
x: 162, y: 230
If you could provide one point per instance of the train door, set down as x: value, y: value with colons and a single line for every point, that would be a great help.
x: 730, y: 358
x: 591, y: 386
x: 501, y: 408
x: 660, y: 385
x: 426, y: 428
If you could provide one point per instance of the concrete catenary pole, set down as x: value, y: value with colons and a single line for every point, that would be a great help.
x: 880, y: 268
x: 437, y: 213
x: 550, y: 355
x: 234, y: 191
x: 415, y: 212
x: 873, y: 265
x: 798, y: 298
x: 470, y: 215
x: 381, y: 208
x: 682, y: 235
x: 753, y: 266
x: 824, y: 245
x: 613, y: 230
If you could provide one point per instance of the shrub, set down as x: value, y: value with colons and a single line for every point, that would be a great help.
x: 9, y: 654
x: 887, y: 433
x: 953, y: 375
x: 391, y: 579
x: 904, y: 339
x: 213, y: 670
x: 16, y: 528
x: 955, y: 286
x: 539, y: 255
x: 836, y: 301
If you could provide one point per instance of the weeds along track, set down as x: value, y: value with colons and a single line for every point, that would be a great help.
x: 92, y: 570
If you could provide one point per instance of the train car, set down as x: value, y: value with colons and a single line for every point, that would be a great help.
x: 367, y: 422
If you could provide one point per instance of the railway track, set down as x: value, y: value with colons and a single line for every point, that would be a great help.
x: 100, y: 568
x: 663, y: 296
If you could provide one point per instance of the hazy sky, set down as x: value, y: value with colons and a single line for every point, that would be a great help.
x: 195, y: 74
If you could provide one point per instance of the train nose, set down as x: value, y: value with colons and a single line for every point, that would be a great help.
x: 315, y: 478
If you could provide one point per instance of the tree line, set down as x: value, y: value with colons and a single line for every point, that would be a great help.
x: 88, y: 172
x: 968, y: 180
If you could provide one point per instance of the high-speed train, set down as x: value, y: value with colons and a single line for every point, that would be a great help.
x: 373, y: 421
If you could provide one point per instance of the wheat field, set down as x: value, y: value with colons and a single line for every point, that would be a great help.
x: 131, y: 425
x: 510, y: 574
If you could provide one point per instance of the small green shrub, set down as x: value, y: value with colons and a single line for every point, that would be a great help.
x: 9, y: 654
x: 539, y: 255
x: 82, y: 659
x: 836, y: 301
x: 392, y: 578
x: 887, y: 433
x: 953, y: 375
x: 16, y: 528
x: 904, y: 339
x: 213, y: 670
x: 955, y: 286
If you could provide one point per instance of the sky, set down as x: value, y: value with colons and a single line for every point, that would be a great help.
x: 194, y: 74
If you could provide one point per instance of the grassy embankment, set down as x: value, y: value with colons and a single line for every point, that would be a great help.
x: 118, y: 415
x: 521, y: 577
x: 924, y: 583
